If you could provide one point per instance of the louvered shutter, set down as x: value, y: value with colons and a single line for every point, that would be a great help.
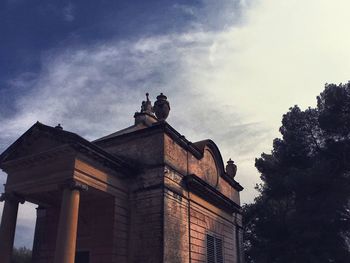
x: 214, y: 250
x: 218, y: 251
x: 210, y: 249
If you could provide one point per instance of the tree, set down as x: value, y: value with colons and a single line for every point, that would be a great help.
x: 21, y: 255
x: 302, y: 211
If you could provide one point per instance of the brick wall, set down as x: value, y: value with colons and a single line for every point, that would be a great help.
x: 188, y: 219
x: 176, y: 230
x: 95, y: 229
x: 146, y: 150
x: 146, y: 226
x: 121, y: 230
x: 205, y: 168
x: 203, y: 222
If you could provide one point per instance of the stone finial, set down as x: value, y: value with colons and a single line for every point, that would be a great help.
x: 161, y: 107
x: 146, y: 115
x: 59, y: 127
x: 146, y: 106
x: 231, y: 168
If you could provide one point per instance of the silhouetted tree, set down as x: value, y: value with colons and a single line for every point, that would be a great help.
x: 21, y: 255
x: 302, y: 211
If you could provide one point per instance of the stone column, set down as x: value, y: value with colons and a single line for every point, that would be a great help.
x: 8, y: 225
x: 38, y: 232
x: 68, y: 223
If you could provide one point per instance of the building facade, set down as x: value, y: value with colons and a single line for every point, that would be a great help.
x: 144, y: 194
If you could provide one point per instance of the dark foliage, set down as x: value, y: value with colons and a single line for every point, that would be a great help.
x: 302, y: 212
x: 21, y: 255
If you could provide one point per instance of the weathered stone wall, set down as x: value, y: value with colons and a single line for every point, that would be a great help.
x: 225, y: 188
x: 203, y: 222
x: 206, y: 168
x: 146, y: 226
x: 188, y: 219
x: 176, y: 228
x: 146, y: 216
x: 121, y: 226
x: 145, y: 243
x: 95, y: 229
x: 146, y: 149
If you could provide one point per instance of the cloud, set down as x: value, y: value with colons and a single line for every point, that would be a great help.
x: 213, y: 15
x: 68, y: 12
x: 78, y: 86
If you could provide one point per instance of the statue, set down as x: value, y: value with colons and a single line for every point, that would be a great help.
x: 147, y: 106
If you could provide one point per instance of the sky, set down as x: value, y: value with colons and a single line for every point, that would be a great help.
x: 230, y: 69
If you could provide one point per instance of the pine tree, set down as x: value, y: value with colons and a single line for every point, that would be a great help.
x: 302, y: 211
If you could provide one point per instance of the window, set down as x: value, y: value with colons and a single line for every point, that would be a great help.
x: 214, y: 250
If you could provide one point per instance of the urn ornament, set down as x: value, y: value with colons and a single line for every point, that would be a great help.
x: 231, y: 168
x: 161, y: 107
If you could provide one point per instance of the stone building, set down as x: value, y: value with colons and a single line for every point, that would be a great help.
x: 142, y: 194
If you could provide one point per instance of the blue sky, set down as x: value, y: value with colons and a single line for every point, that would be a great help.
x: 230, y: 69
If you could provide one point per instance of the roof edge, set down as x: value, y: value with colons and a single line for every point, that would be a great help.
x: 76, y: 141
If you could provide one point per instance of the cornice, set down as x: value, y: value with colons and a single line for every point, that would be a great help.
x: 70, y: 142
x: 232, y: 182
x: 210, y: 194
x: 105, y: 158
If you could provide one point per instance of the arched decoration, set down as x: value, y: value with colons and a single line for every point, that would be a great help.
x: 201, y: 145
x: 209, y: 168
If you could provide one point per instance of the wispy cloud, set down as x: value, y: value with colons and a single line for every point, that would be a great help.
x: 68, y: 12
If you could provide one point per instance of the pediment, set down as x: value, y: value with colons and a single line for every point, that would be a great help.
x: 39, y: 138
x: 212, y: 166
x: 209, y: 167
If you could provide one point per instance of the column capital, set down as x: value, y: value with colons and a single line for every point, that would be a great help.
x: 75, y: 185
x: 12, y: 197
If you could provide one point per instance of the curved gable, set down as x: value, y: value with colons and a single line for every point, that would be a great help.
x: 209, y: 167
x: 209, y: 145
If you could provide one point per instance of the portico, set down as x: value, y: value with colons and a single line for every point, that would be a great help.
x: 58, y: 171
